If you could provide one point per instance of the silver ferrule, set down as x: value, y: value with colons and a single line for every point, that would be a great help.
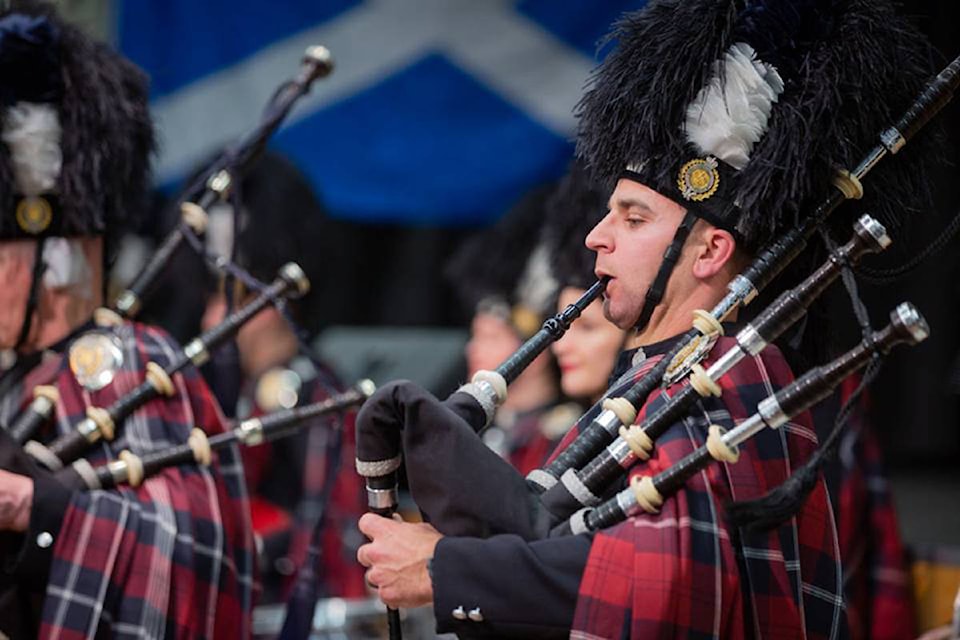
x: 489, y: 391
x: 620, y: 451
x: 220, y: 183
x: 609, y: 421
x: 89, y: 430
x: 128, y: 303
x: 751, y: 341
x: 628, y: 503
x: 382, y: 498
x: 319, y: 56
x: 485, y: 395
x: 118, y: 471
x: 771, y: 412
x: 725, y: 362
x: 250, y: 432
x: 869, y: 226
x: 870, y: 161
x: 907, y: 316
x: 292, y: 273
x: 742, y: 292
x: 893, y: 140
x: 196, y: 351
x: 744, y: 431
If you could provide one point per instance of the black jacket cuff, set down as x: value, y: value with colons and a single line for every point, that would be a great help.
x: 31, y: 565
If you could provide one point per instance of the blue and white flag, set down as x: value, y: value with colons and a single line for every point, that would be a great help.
x: 438, y: 111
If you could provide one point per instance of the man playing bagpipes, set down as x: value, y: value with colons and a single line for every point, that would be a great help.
x: 174, y: 556
x: 720, y: 128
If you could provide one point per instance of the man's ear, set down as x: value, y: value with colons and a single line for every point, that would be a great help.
x: 715, y: 250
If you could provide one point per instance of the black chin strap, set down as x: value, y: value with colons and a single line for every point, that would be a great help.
x: 670, y: 257
x: 39, y: 266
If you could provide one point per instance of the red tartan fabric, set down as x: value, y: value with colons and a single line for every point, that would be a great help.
x: 533, y: 454
x: 529, y: 445
x: 338, y: 571
x: 171, y: 558
x: 876, y: 579
x: 684, y: 572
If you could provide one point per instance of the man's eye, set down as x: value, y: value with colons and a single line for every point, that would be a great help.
x: 634, y: 222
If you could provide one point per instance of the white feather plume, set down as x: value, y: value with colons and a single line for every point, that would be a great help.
x: 537, y: 284
x: 32, y: 133
x: 729, y: 115
x: 67, y: 266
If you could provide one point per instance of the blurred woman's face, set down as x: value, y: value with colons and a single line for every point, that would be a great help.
x: 588, y: 351
x: 492, y: 340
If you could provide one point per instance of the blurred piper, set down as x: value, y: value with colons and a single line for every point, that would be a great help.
x: 503, y: 275
x: 276, y: 217
x: 175, y: 556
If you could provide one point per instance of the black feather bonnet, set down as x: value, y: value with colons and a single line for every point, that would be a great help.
x: 95, y: 103
x: 742, y: 110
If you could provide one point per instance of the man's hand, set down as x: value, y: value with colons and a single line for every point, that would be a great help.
x: 16, y: 498
x: 397, y: 556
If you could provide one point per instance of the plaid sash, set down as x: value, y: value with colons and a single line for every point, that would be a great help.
x: 685, y: 572
x: 173, y: 557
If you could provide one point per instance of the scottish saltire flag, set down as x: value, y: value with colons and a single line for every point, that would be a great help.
x: 438, y: 111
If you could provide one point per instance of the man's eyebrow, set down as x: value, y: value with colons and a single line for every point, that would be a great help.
x: 630, y: 203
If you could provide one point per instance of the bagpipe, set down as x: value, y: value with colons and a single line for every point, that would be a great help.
x: 647, y: 493
x: 217, y: 180
x: 468, y: 490
x: 103, y: 422
x: 132, y: 469
x: 770, y: 262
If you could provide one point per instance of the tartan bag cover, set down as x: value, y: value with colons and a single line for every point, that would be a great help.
x: 685, y: 572
x: 173, y: 557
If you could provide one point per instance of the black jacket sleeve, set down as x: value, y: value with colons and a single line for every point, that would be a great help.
x: 504, y: 586
x: 26, y: 557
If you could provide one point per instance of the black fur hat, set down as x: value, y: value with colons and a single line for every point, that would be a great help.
x: 282, y: 220
x: 505, y: 269
x: 98, y: 101
x: 742, y: 109
x: 573, y: 209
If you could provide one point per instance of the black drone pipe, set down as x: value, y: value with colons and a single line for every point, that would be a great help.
x: 103, y: 422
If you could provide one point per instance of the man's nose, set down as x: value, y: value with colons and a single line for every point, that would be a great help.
x: 599, y: 238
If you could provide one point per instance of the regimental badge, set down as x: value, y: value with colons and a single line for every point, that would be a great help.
x: 525, y: 319
x: 278, y: 388
x: 34, y: 214
x: 699, y: 178
x: 95, y: 358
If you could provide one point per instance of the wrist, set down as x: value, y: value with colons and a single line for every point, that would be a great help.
x: 16, y: 501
